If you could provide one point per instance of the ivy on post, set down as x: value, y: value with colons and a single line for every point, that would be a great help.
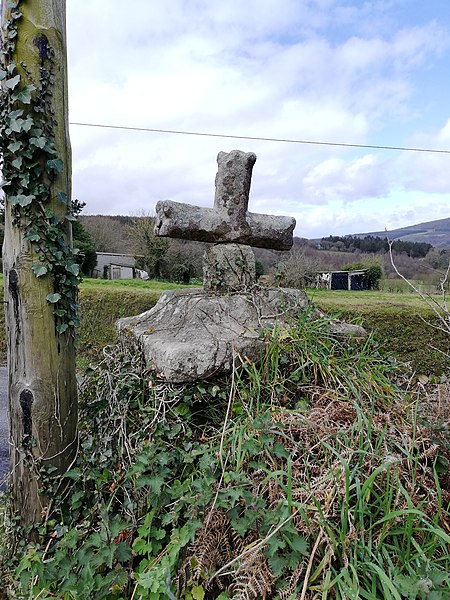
x: 40, y: 268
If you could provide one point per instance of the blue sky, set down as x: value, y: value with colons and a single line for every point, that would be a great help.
x: 365, y: 72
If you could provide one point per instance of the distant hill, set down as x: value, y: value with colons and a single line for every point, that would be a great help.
x: 436, y: 233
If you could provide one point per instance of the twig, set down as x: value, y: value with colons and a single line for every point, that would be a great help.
x: 430, y: 302
x: 230, y: 404
x: 223, y: 462
x: 310, y: 563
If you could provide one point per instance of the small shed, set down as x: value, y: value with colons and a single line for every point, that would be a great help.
x: 342, y: 280
x: 115, y: 266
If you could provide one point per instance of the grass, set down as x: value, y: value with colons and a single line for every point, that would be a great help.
x: 365, y: 300
x: 134, y: 284
x: 309, y: 475
x: 402, y: 323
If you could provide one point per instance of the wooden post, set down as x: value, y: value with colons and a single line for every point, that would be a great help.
x: 40, y: 273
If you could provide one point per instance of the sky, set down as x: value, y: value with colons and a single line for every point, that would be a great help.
x: 372, y: 72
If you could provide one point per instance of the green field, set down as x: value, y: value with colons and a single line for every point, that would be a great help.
x: 399, y: 321
x: 134, y: 284
x: 403, y: 323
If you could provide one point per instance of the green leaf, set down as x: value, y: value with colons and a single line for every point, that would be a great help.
x: 62, y: 328
x: 53, y: 298
x: 14, y: 146
x: 32, y: 236
x: 2, y: 74
x: 16, y: 124
x: 299, y: 544
x: 15, y: 113
x: 73, y: 268
x: 62, y: 196
x: 24, y: 95
x: 17, y: 162
x: 21, y: 200
x: 39, y: 142
x: 13, y: 82
x: 56, y: 165
x: 27, y: 124
x: 197, y: 592
x: 39, y: 270
x: 123, y: 552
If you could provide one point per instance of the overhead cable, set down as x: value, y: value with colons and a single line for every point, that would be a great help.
x: 264, y: 139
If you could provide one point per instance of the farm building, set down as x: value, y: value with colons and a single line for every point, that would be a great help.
x: 342, y: 280
x: 117, y: 266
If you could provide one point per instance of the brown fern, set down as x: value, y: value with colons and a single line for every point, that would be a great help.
x: 253, y: 579
x: 293, y: 581
x: 210, y: 550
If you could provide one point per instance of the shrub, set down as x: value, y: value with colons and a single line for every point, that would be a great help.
x: 308, y: 473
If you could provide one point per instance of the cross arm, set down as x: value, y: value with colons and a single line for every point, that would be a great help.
x: 185, y: 221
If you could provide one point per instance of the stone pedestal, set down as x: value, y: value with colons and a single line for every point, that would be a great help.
x: 228, y: 268
x: 192, y: 335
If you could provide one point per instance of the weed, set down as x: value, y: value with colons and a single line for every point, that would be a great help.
x: 308, y: 475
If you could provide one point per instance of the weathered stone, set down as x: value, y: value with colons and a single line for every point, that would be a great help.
x: 194, y: 335
x: 191, y: 335
x: 229, y: 220
x: 228, y: 267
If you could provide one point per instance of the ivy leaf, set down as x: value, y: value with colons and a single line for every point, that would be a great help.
x: 27, y: 124
x: 10, y: 68
x: 62, y: 327
x: 15, y: 113
x: 39, y: 270
x: 25, y: 179
x: 16, y: 124
x: 39, y: 142
x: 73, y: 268
x: 17, y: 162
x: 12, y: 83
x: 53, y: 298
x: 33, y: 236
x: 21, y: 199
x: 24, y: 95
x: 62, y: 196
x: 2, y: 74
x: 55, y: 164
x: 14, y: 146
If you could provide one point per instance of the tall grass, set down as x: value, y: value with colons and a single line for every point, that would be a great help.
x: 307, y: 475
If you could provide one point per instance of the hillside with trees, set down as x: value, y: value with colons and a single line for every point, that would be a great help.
x: 436, y: 233
x: 180, y: 260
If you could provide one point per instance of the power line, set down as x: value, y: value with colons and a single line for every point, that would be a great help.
x: 263, y: 139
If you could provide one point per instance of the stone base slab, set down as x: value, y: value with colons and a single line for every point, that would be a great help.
x: 191, y: 335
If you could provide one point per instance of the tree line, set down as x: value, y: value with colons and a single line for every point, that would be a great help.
x: 374, y: 244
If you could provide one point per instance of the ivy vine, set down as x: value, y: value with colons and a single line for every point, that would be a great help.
x: 30, y: 165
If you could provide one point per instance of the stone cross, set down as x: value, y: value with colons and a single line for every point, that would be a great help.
x: 229, y: 221
x: 229, y: 225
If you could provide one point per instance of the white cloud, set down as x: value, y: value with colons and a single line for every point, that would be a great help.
x: 324, y: 70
